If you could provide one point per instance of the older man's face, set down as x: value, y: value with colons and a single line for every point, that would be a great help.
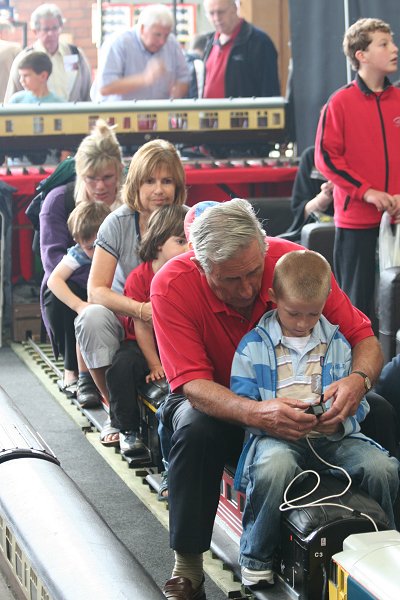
x: 237, y: 281
x: 48, y: 33
x: 154, y: 37
x: 222, y: 14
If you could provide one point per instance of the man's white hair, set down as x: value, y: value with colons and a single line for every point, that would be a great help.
x: 45, y: 11
x: 223, y: 230
x: 156, y: 14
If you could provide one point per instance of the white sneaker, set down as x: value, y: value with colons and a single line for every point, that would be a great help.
x: 257, y: 579
x: 130, y: 444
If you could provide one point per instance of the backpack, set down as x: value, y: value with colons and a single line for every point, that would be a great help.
x: 62, y: 175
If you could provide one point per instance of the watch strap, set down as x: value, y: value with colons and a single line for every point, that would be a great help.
x: 367, y: 381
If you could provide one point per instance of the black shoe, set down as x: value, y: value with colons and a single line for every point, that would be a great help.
x: 87, y: 394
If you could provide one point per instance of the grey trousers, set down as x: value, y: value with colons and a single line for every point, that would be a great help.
x: 99, y: 333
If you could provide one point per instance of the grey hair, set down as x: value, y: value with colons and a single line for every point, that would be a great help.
x: 45, y: 11
x: 235, y: 2
x: 224, y: 229
x: 156, y: 14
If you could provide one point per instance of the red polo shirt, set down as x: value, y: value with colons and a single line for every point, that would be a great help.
x: 137, y: 287
x: 197, y: 334
x: 214, y: 85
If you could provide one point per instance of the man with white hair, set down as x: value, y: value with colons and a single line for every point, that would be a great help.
x: 240, y: 59
x: 143, y: 63
x: 70, y: 79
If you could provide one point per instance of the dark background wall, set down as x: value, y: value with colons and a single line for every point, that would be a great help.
x: 319, y: 65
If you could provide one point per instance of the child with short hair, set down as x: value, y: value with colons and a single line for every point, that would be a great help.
x: 357, y: 148
x: 294, y: 352
x: 34, y: 71
x: 83, y: 224
x: 137, y: 359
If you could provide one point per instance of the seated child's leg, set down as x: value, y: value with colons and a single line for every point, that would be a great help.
x: 121, y: 384
x: 275, y: 464
x: 128, y: 369
x: 164, y: 435
x: 371, y: 468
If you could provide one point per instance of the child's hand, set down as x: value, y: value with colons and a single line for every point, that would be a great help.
x: 156, y: 373
x: 382, y: 200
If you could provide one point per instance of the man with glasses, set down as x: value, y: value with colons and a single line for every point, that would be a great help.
x: 240, y: 59
x: 70, y: 79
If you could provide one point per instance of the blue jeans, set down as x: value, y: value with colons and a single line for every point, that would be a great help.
x: 277, y: 462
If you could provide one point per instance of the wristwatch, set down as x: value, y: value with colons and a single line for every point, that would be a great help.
x: 367, y: 381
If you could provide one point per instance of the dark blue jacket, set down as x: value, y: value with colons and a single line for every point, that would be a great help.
x: 252, y: 68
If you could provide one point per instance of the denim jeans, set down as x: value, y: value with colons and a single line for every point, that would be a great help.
x: 277, y: 462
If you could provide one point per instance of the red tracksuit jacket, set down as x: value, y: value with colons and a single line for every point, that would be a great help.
x: 358, y: 147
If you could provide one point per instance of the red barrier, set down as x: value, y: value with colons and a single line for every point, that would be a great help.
x: 217, y: 181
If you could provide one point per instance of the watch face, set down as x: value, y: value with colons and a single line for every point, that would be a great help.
x: 367, y: 381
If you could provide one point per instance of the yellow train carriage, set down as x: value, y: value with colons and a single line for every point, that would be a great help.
x: 186, y: 121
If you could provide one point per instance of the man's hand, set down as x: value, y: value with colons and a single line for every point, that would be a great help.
x: 346, y: 394
x: 282, y: 418
x: 154, y: 70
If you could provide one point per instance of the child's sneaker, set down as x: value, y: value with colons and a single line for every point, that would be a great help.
x: 257, y: 579
x: 130, y: 444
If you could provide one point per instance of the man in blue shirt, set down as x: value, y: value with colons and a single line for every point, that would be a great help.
x: 145, y: 63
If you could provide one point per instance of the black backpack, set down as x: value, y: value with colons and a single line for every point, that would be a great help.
x: 63, y: 174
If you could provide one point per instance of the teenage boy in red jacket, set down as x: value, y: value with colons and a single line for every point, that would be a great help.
x: 357, y: 148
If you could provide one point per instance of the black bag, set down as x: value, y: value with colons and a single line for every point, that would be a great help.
x: 63, y: 174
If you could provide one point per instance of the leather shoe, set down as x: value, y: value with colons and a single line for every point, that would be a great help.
x: 87, y: 394
x: 180, y: 588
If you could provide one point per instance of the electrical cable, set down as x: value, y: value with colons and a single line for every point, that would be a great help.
x: 289, y: 504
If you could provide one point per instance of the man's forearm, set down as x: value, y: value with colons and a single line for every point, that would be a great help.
x: 124, y: 85
x: 217, y: 401
x: 368, y: 358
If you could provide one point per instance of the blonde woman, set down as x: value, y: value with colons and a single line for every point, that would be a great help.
x: 156, y: 177
x: 98, y: 164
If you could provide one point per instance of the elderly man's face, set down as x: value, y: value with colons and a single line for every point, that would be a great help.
x: 222, y: 14
x: 48, y: 33
x: 154, y: 37
x: 237, y: 281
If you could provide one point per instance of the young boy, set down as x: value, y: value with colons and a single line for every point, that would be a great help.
x: 357, y: 148
x: 34, y: 71
x: 83, y: 224
x: 294, y: 352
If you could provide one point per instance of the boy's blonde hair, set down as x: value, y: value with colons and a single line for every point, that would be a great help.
x: 358, y: 37
x: 302, y: 274
x: 85, y: 220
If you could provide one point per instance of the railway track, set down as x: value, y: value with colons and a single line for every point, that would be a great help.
x: 141, y: 479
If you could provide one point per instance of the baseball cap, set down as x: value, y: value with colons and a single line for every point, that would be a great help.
x: 196, y: 211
